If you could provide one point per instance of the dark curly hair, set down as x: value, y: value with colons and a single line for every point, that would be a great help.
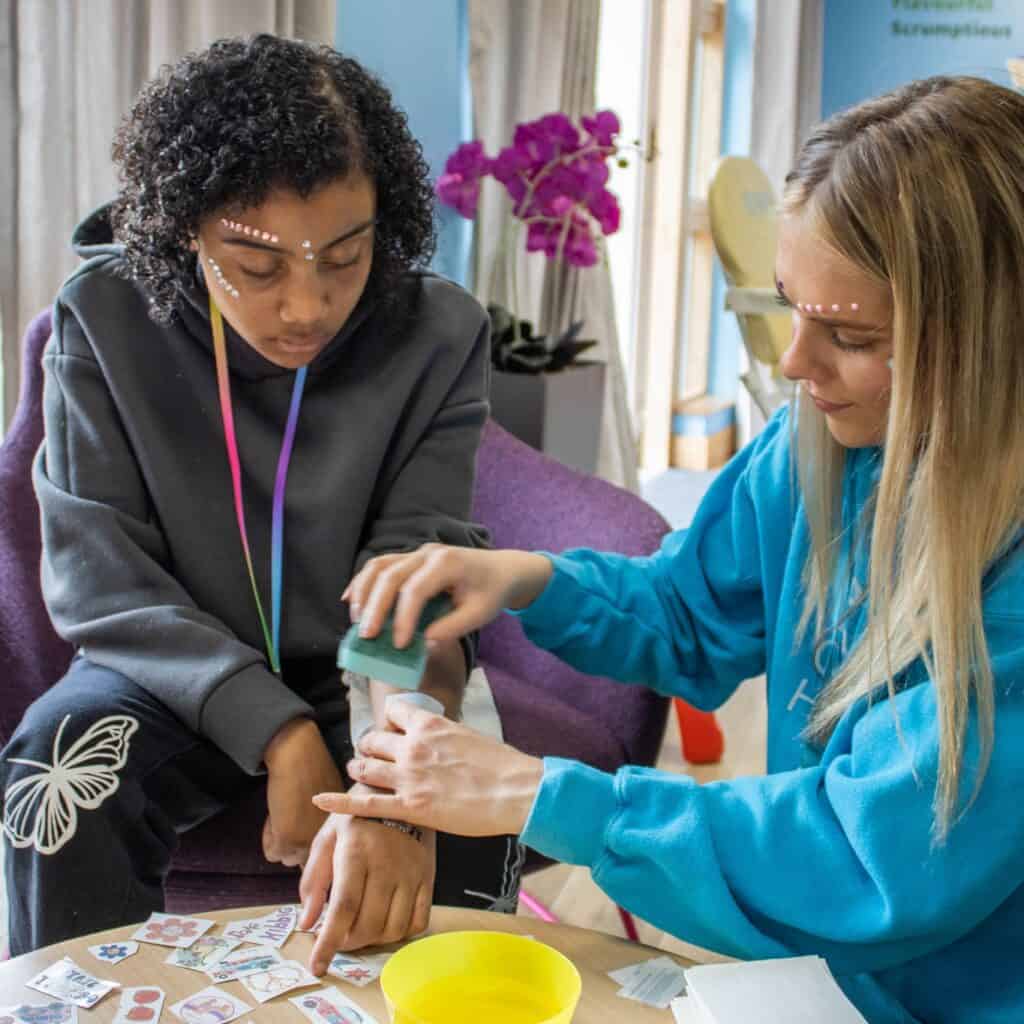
x: 246, y: 116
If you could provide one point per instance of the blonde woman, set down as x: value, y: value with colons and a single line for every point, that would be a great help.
x: 880, y: 587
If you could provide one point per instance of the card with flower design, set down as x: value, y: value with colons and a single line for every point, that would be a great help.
x: 114, y: 952
x: 172, y: 930
x: 357, y: 970
x: 39, y: 1013
x: 329, y: 1006
x: 281, y: 978
x: 140, y: 1005
x: 66, y: 980
x: 239, y: 962
x: 211, y: 1006
x: 204, y: 953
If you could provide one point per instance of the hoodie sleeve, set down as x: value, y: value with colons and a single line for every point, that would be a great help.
x: 689, y: 620
x: 430, y: 497
x: 837, y: 859
x: 106, y: 577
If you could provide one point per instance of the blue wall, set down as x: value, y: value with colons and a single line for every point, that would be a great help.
x: 872, y: 46
x: 420, y: 48
x: 737, y: 99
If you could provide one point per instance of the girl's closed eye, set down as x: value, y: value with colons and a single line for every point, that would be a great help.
x: 258, y: 273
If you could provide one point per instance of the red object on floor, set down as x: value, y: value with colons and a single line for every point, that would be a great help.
x: 628, y: 924
x: 703, y: 741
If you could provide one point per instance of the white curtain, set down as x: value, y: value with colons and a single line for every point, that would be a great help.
x: 786, y: 82
x: 69, y: 70
x: 785, y: 104
x: 528, y: 58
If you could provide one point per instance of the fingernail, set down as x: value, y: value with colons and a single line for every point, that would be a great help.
x: 354, y: 612
x: 319, y: 967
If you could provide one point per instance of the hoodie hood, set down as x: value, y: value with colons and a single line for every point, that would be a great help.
x: 94, y: 236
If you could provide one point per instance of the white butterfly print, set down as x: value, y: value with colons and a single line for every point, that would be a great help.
x: 41, y: 809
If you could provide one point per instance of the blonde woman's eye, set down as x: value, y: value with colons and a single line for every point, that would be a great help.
x: 849, y: 346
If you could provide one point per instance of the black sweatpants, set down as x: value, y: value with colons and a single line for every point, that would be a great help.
x: 99, y: 779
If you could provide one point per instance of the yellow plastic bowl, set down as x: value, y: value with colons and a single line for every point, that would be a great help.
x: 478, y: 977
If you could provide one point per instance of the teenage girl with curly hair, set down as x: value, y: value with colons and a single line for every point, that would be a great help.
x: 252, y: 387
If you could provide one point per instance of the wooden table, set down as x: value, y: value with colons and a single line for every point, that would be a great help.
x: 593, y: 953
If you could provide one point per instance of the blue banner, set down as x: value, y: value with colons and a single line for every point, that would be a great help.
x: 872, y: 46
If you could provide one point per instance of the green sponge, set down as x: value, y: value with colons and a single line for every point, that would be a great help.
x: 379, y: 658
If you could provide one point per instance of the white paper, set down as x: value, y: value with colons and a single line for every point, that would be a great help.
x: 41, y: 1013
x: 240, y: 931
x: 794, y: 990
x: 172, y: 930
x: 140, y: 1005
x: 654, y: 982
x: 275, y: 927
x: 67, y: 981
x: 329, y: 1006
x: 114, y: 952
x: 247, y: 960
x: 206, y: 952
x: 283, y: 977
x: 357, y: 970
x: 211, y: 1006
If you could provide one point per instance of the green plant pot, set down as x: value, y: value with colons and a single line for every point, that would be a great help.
x: 556, y: 413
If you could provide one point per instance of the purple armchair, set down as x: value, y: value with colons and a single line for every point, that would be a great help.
x: 527, y: 501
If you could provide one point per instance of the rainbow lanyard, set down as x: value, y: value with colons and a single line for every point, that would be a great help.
x: 272, y: 638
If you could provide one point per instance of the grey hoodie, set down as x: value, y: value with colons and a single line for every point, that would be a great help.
x: 142, y: 562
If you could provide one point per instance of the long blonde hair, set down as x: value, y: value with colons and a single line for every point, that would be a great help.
x: 923, y: 190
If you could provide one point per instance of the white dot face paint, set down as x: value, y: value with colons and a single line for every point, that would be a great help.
x: 221, y: 279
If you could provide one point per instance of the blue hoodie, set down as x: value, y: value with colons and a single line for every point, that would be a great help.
x: 831, y: 852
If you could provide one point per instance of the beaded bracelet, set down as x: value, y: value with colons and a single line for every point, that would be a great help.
x: 402, y: 826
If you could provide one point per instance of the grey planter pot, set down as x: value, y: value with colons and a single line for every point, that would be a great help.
x: 556, y: 413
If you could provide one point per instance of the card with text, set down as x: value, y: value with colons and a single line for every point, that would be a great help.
x: 66, y: 980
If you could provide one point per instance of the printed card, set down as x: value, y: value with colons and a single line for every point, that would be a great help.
x: 211, y: 1006
x: 654, y: 982
x: 240, y: 962
x: 358, y: 970
x: 241, y: 930
x: 66, y: 980
x: 39, y: 1013
x: 172, y: 930
x: 276, y: 927
x: 206, y: 952
x: 114, y: 952
x: 140, y: 1005
x: 329, y: 1006
x: 281, y: 978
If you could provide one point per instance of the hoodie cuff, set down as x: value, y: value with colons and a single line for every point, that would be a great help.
x: 245, y: 712
x: 555, y: 609
x: 571, y: 814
